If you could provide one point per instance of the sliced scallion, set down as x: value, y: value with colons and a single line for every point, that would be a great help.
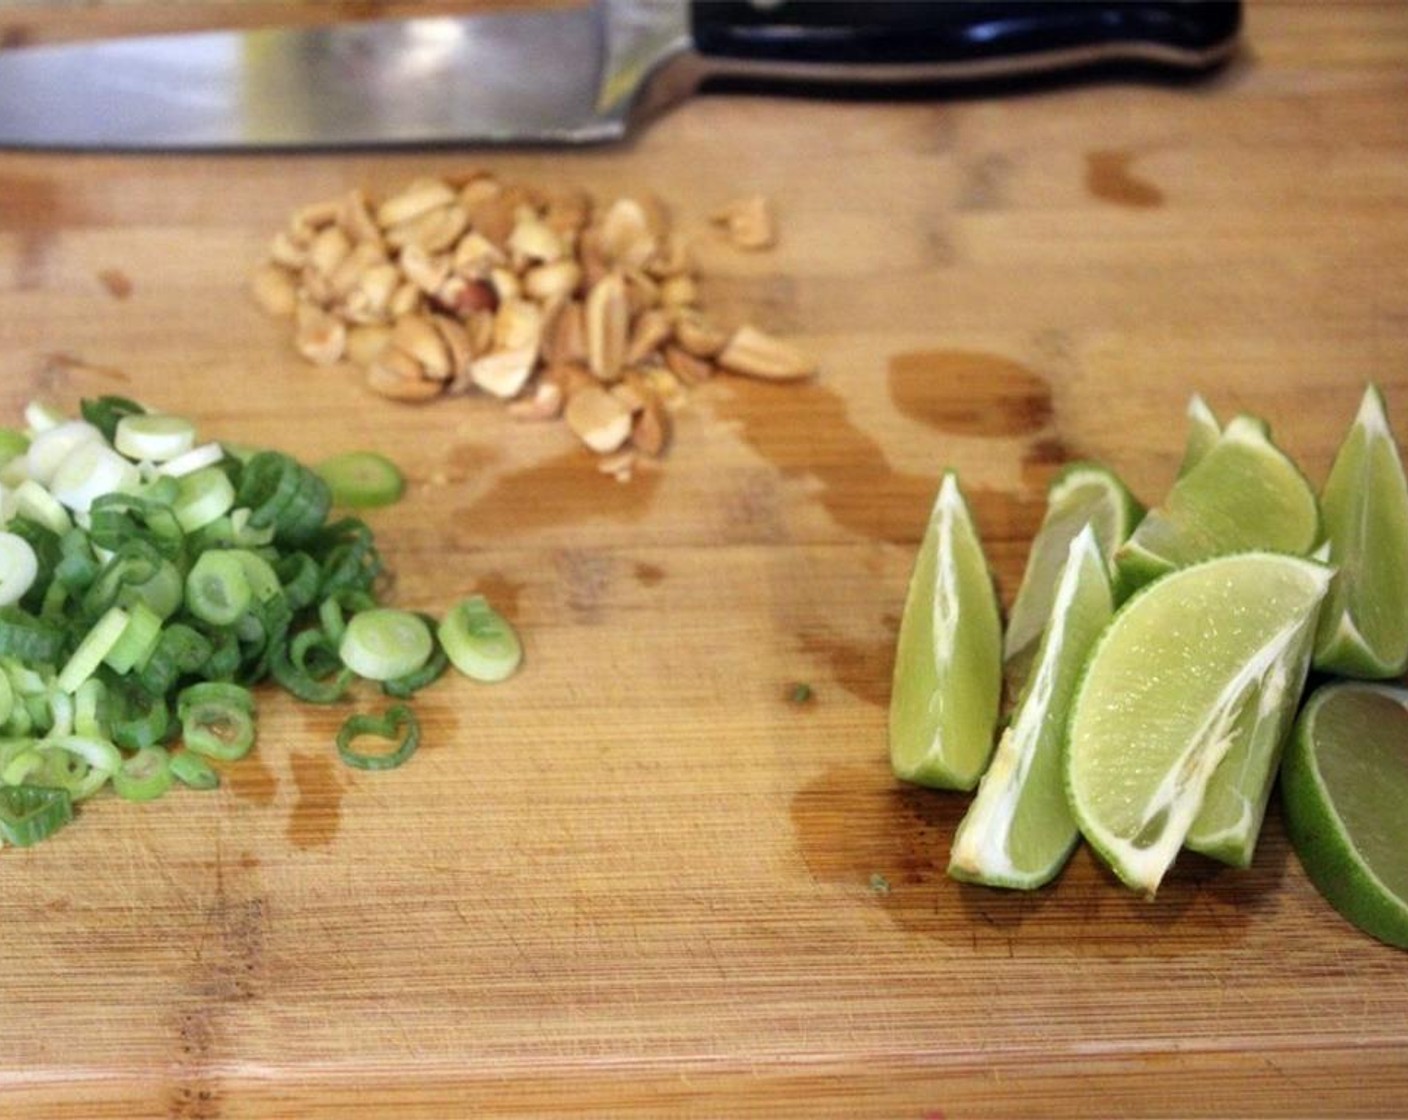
x: 13, y: 444
x: 138, y: 719
x: 50, y: 447
x: 153, y: 436
x: 32, y: 501
x: 29, y: 639
x: 19, y: 567
x: 29, y: 814
x: 191, y: 770
x: 96, y: 645
x: 362, y: 479
x: 196, y: 459
x: 147, y: 583
x: 479, y: 641
x: 217, y: 589
x: 105, y: 413
x: 383, y: 644
x: 204, y: 496
x: 138, y: 639
x: 89, y: 472
x: 398, y: 722
x: 217, y: 720
x: 144, y: 776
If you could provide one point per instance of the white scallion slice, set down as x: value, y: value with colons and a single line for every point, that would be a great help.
x: 156, y: 437
x: 138, y: 639
x: 40, y: 416
x: 51, y: 447
x: 382, y: 644
x: 91, y: 651
x: 19, y: 568
x: 37, y: 504
x: 89, y: 471
x: 203, y: 496
x: 479, y: 641
x: 197, y: 458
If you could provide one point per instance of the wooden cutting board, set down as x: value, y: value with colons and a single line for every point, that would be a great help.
x: 640, y: 879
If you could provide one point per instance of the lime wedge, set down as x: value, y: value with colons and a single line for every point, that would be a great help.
x: 1203, y: 432
x: 1234, y: 805
x: 1364, y: 627
x: 1344, y: 788
x: 1244, y: 494
x: 1019, y: 831
x: 948, y: 660
x: 1179, y: 677
x: 1082, y: 494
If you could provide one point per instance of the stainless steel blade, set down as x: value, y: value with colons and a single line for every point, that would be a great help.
x: 552, y: 76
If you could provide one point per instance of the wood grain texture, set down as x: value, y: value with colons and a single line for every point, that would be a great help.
x: 637, y: 880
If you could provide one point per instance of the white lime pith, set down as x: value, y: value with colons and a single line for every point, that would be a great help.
x: 1019, y: 831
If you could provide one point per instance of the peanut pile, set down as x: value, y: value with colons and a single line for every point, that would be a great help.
x: 562, y: 307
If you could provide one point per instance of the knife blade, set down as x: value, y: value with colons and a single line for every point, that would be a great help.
x: 577, y: 75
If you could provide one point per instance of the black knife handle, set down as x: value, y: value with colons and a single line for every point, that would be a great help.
x: 1184, y: 34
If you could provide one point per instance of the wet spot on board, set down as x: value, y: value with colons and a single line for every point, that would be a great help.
x: 251, y: 779
x: 503, y: 593
x: 1108, y: 177
x: 886, y: 843
x: 862, y: 668
x: 969, y: 393
x: 1043, y: 461
x: 649, y: 575
x: 468, y: 460
x: 116, y: 282
x: 566, y: 489
x: 12, y: 36
x: 63, y: 375
x: 317, y: 813
x: 856, y: 823
x: 1006, y: 523
x: 35, y: 209
x: 804, y: 431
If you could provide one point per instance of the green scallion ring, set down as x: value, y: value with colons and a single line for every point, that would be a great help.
x: 217, y: 727
x: 362, y: 479
x: 29, y: 814
x: 95, y: 647
x: 217, y: 589
x: 398, y: 720
x: 480, y: 642
x: 144, y: 776
x: 192, y: 770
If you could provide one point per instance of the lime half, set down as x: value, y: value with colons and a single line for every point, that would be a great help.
x: 1019, y: 831
x: 1182, y: 674
x: 948, y: 659
x: 1082, y: 494
x: 1344, y: 787
x: 1364, y: 628
x: 1244, y: 494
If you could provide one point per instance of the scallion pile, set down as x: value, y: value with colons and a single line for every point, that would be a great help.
x: 149, y: 582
